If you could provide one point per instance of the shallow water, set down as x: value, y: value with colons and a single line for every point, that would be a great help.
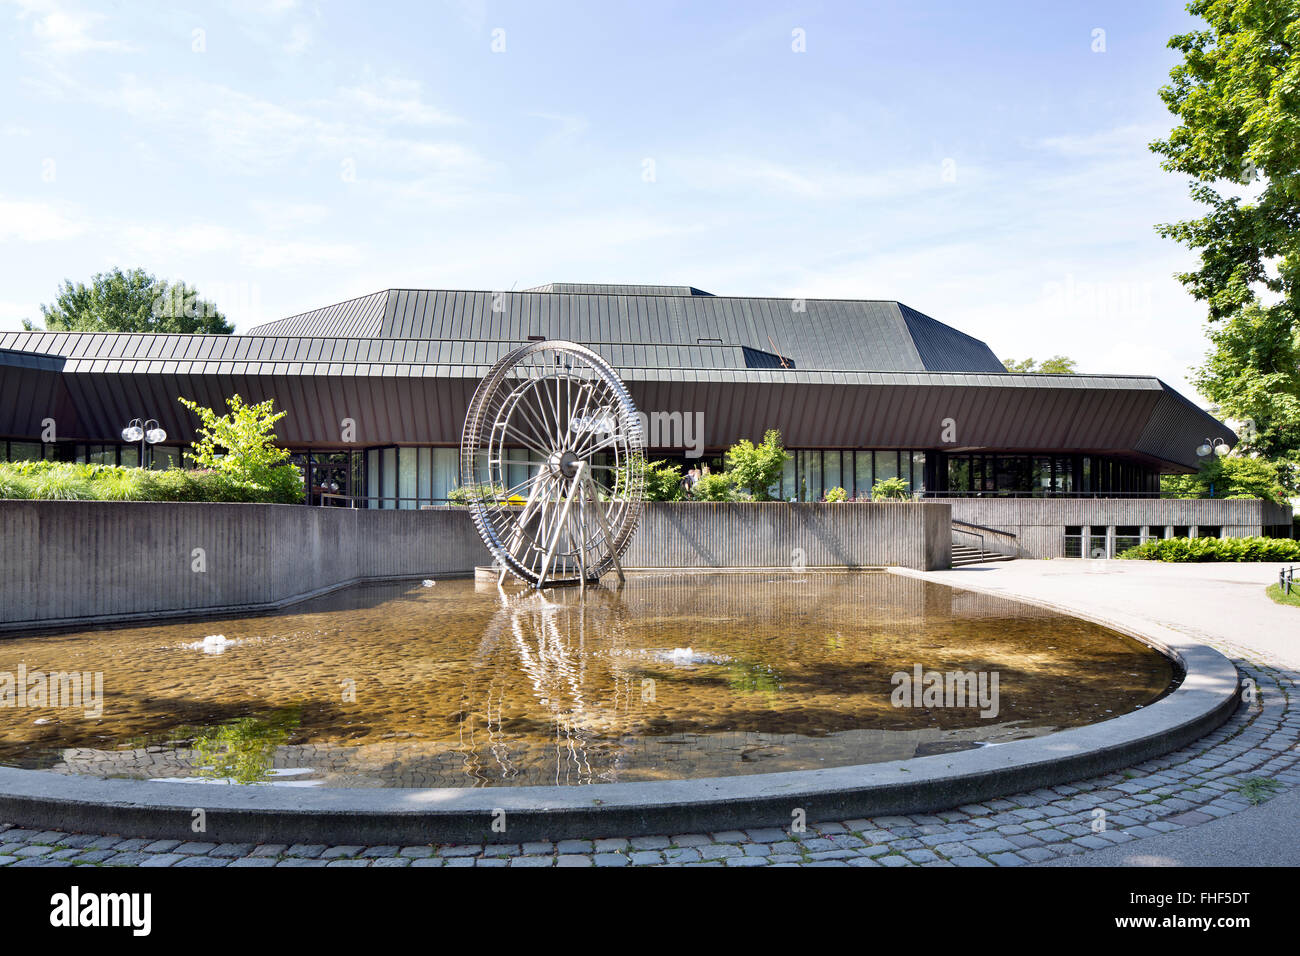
x: 676, y: 676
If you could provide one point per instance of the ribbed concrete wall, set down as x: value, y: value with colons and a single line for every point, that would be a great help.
x: 88, y: 560
x: 1039, y: 523
x: 779, y: 535
x: 69, y: 562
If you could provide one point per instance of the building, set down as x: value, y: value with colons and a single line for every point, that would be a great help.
x: 376, y: 390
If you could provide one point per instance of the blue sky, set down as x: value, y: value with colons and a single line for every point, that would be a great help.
x: 983, y: 163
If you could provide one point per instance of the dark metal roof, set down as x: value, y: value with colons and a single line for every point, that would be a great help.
x: 829, y: 334
x: 588, y: 288
x: 402, y: 363
x: 354, y: 317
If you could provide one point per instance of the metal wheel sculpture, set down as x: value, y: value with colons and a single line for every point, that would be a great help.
x: 552, y: 459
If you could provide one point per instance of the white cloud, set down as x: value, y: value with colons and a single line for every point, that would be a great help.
x: 28, y: 221
x: 394, y: 100
x: 61, y: 30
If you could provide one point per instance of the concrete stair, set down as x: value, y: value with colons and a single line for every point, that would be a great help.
x: 965, y: 554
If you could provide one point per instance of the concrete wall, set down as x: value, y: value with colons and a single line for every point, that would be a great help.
x: 81, y: 562
x: 1039, y: 523
x: 767, y: 535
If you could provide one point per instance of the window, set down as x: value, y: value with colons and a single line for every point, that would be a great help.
x: 1209, y: 531
x: 959, y: 474
x: 1074, y: 543
x: 918, y: 471
x: 886, y: 466
x: 831, y: 467
x: 1180, y: 531
x: 1127, y: 536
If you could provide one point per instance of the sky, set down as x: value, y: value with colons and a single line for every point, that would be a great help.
x: 985, y: 163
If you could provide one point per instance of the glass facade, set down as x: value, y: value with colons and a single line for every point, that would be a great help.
x: 411, y: 476
x: 126, y: 456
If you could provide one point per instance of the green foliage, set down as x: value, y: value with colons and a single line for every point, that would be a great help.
x: 60, y: 484
x: 243, y: 750
x: 461, y: 495
x: 756, y: 468
x: 890, y: 489
x: 1276, y: 594
x: 715, y: 487
x: 134, y: 301
x: 121, y: 484
x: 1231, y: 476
x: 836, y: 494
x: 661, y: 480
x: 1234, y: 94
x: 1180, y: 550
x: 65, y: 481
x: 1056, y: 365
x: 13, y: 485
x: 1258, y: 789
x: 241, y: 446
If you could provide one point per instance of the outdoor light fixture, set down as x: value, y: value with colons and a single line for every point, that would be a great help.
x: 1216, y: 445
x: 140, y: 431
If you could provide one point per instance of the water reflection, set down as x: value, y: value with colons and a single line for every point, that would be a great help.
x: 675, y: 676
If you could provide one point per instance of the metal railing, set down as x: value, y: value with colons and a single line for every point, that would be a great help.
x: 981, y: 531
x: 378, y: 501
x: 1286, y: 578
x: 973, y: 534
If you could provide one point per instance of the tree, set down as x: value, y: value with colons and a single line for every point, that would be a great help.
x: 1056, y: 365
x: 133, y: 301
x: 241, y: 445
x: 756, y: 468
x: 1231, y: 476
x: 1235, y: 94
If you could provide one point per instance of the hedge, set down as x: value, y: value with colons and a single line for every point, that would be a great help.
x: 1216, y: 549
x: 66, y: 481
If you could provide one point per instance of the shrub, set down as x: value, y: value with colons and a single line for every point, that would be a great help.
x: 661, y: 480
x: 120, y: 484
x: 837, y: 494
x: 1215, y: 549
x: 890, y: 489
x: 715, y: 487
x: 67, y: 481
x: 754, y: 469
x: 460, y: 495
x: 240, y: 443
x: 60, y: 484
x: 14, y: 484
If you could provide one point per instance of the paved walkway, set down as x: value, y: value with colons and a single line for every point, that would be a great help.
x: 1232, y: 798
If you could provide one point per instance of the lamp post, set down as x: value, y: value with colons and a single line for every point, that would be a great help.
x: 147, y: 432
x: 1212, y: 446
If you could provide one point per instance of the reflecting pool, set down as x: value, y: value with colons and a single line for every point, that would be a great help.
x: 460, y: 684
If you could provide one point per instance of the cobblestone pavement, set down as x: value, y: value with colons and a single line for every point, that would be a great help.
x: 1250, y: 759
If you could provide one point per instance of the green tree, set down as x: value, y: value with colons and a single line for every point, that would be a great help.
x: 1230, y: 476
x: 1056, y: 365
x: 134, y: 301
x: 756, y: 468
x: 1235, y: 95
x: 241, y: 444
x: 715, y: 487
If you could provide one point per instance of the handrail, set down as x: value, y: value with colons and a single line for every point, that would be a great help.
x: 971, y: 524
x: 974, y: 534
x: 1286, y: 578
